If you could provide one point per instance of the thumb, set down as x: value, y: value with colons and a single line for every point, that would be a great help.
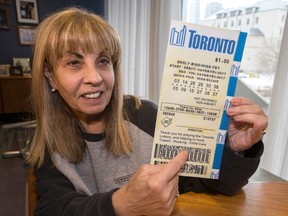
x: 173, y: 167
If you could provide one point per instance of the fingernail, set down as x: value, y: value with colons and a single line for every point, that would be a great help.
x: 230, y: 111
x: 235, y: 101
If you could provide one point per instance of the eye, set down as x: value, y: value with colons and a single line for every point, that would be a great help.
x: 74, y: 63
x: 104, y: 61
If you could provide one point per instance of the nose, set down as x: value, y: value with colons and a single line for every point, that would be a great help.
x: 93, y: 76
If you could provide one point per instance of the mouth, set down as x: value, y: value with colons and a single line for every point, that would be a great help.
x: 92, y: 95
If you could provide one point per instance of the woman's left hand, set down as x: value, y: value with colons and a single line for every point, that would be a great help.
x: 247, y: 124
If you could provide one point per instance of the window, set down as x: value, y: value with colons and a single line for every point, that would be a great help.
x: 256, y: 20
x: 233, y: 13
x: 262, y: 47
x: 249, y: 10
x: 219, y: 16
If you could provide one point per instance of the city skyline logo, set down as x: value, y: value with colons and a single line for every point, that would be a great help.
x: 221, y: 137
x: 177, y: 38
x: 235, y: 69
x: 227, y: 104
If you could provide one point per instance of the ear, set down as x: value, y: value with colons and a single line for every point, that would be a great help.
x: 48, y: 74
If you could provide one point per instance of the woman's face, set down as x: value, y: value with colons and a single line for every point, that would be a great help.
x: 85, y: 82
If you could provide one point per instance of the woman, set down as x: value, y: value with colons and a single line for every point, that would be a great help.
x: 92, y: 148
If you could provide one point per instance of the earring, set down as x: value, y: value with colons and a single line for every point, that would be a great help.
x: 53, y: 90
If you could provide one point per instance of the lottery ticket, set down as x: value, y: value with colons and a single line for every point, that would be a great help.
x: 199, y: 79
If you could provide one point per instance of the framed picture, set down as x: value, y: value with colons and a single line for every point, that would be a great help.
x: 26, y: 35
x: 4, y: 19
x: 24, y: 63
x: 4, y: 70
x: 16, y: 71
x: 27, y: 11
x: 5, y: 1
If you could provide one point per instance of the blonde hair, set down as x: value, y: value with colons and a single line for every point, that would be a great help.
x: 58, y: 129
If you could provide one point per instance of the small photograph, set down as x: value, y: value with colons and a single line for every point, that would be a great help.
x: 16, y: 71
x: 4, y: 70
x: 26, y: 35
x: 24, y: 63
x: 27, y: 11
x: 4, y: 20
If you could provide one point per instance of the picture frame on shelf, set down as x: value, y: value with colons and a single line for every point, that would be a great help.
x: 27, y: 11
x: 6, y: 2
x: 4, y: 70
x: 26, y: 35
x: 16, y: 71
x: 4, y: 19
x: 24, y: 63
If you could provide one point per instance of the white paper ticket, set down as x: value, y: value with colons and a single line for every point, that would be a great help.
x: 199, y: 78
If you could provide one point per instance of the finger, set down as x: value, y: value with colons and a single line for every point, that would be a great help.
x: 239, y: 101
x: 174, y: 194
x: 245, y: 109
x: 171, y: 169
x: 258, y: 122
x: 252, y: 119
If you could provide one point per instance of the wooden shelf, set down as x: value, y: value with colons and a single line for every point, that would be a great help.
x: 15, y: 94
x: 15, y: 77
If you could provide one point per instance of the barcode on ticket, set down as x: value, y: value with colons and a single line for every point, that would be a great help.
x: 189, y: 168
x: 197, y: 155
x: 164, y: 153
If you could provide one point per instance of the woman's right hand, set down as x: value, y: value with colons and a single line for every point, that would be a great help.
x: 151, y: 190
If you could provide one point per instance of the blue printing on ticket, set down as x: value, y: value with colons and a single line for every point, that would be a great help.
x: 240, y: 46
x: 218, y: 156
x: 224, y: 121
x: 232, y: 86
x: 230, y: 92
x: 237, y: 58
